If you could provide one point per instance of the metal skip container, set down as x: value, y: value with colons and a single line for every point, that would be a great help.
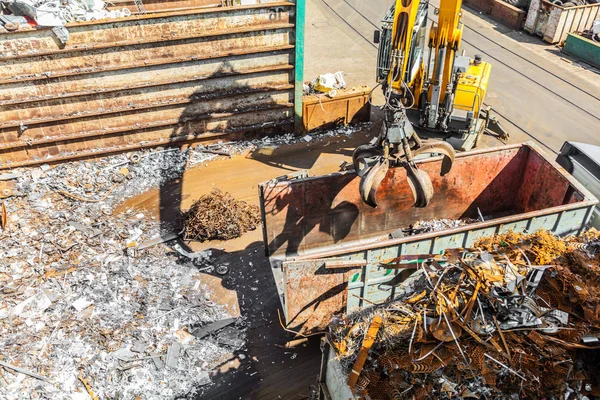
x: 328, y: 248
x: 553, y: 22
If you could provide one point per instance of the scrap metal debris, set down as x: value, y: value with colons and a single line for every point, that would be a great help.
x: 485, y: 324
x: 79, y: 310
x: 53, y: 13
x: 593, y: 33
x: 79, y: 314
x: 218, y: 215
x: 201, y: 333
x: 435, y: 225
x: 327, y: 83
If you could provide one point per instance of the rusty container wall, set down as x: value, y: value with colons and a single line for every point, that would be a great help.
x: 199, y: 73
x: 328, y: 246
x: 554, y: 22
x: 346, y: 107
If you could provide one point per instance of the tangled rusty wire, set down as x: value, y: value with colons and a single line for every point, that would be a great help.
x: 218, y: 215
x: 491, y: 324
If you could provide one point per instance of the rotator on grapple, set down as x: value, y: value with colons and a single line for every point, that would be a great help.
x: 448, y: 93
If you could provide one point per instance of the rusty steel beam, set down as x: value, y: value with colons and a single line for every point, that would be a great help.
x: 58, y: 134
x: 209, y: 138
x: 150, y: 134
x: 85, y: 87
x: 209, y: 122
x: 95, y: 35
x: 363, y: 353
x: 176, y: 96
x: 43, y: 68
x: 343, y: 264
x: 162, y: 6
x: 130, y: 119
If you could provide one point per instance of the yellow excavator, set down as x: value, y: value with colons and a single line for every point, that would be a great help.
x: 446, y: 93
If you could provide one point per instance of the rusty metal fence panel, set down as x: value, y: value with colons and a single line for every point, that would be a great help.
x: 188, y: 75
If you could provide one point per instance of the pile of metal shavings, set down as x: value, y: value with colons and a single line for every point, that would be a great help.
x: 93, y: 305
x: 484, y: 325
x: 540, y: 248
x: 218, y: 216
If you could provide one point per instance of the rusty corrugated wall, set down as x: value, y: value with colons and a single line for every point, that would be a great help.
x: 199, y: 73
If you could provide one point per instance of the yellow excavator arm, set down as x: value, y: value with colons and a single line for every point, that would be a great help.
x: 457, y: 85
x: 444, y: 40
x: 403, y: 40
x: 448, y: 91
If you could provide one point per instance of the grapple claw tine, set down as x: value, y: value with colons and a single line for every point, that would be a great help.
x: 371, y: 180
x: 421, y: 186
x: 363, y: 155
x: 439, y: 147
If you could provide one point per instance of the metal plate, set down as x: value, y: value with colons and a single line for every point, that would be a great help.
x: 187, y: 75
x: 313, y: 294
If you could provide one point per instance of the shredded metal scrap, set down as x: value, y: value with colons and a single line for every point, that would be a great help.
x: 79, y: 309
x: 437, y: 225
x: 79, y: 314
x: 487, y: 324
x: 218, y: 215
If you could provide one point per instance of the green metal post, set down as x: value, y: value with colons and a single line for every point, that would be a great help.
x: 299, y: 64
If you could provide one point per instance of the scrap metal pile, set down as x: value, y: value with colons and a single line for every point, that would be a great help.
x: 92, y: 304
x: 218, y: 215
x: 517, y: 317
x: 594, y: 33
x: 327, y: 84
x: 58, y: 13
x: 436, y: 225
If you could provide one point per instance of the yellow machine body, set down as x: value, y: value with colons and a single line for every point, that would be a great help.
x: 472, y: 87
x: 407, y: 37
